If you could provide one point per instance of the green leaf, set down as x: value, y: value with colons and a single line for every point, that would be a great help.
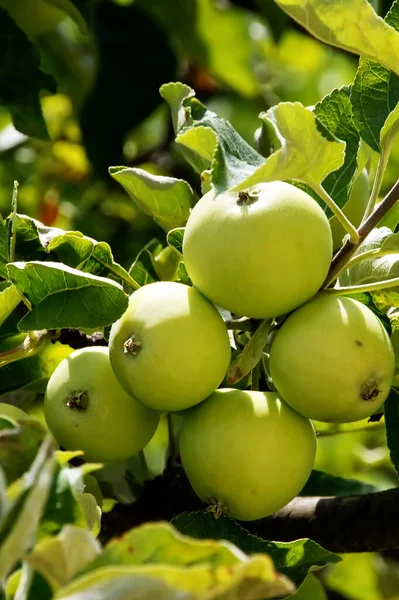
x: 21, y: 79
x: 143, y: 270
x: 391, y: 412
x: 33, y: 372
x: 19, y: 524
x: 81, y: 252
x: 166, y: 199
x: 311, y: 589
x: 353, y: 26
x: 18, y: 447
x: 3, y: 248
x: 335, y: 114
x: 303, y: 153
x: 324, y: 484
x: 175, y: 238
x: 32, y: 237
x: 65, y: 297
x: 375, y: 92
x: 377, y: 269
x: 208, y: 140
x: 9, y: 300
x: 294, y: 559
x: 58, y: 559
x: 251, y: 354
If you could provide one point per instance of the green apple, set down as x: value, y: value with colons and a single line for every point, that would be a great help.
x: 34, y: 17
x: 332, y: 360
x: 9, y: 410
x: 354, y: 209
x: 259, y: 253
x: 87, y: 409
x: 170, y: 349
x: 248, y: 453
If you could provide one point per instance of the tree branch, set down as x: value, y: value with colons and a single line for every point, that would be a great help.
x: 342, y: 524
x: 348, y: 249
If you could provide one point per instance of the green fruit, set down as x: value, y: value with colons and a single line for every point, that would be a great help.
x: 354, y: 209
x: 332, y: 360
x: 34, y: 17
x: 9, y: 410
x: 170, y: 349
x: 259, y: 253
x: 87, y: 409
x: 247, y: 452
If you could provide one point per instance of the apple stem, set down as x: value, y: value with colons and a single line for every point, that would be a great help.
x: 346, y: 224
x: 246, y: 197
x: 370, y: 254
x: 78, y: 400
x: 132, y: 345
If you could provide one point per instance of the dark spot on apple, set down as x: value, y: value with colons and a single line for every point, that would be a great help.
x: 359, y: 343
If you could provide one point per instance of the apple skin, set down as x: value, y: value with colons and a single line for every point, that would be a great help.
x: 262, y: 258
x: 113, y: 426
x: 354, y: 209
x: 247, y: 451
x: 184, y: 347
x: 329, y: 359
x: 34, y: 17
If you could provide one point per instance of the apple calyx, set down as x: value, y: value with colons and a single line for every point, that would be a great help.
x: 132, y: 344
x: 370, y: 390
x: 216, y: 507
x: 246, y: 197
x: 78, y: 400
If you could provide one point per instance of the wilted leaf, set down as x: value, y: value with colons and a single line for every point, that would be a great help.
x: 353, y: 26
x: 167, y: 200
x: 302, y: 152
x: 58, y: 559
x: 65, y: 297
x: 294, y: 559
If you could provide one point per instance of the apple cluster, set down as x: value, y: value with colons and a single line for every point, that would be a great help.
x: 260, y: 253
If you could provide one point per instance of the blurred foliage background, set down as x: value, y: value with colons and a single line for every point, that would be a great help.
x: 241, y: 57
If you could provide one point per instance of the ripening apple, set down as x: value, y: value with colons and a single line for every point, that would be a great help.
x: 34, y: 17
x: 332, y: 360
x: 170, y: 349
x: 87, y: 409
x: 259, y: 253
x: 354, y: 209
x: 246, y: 452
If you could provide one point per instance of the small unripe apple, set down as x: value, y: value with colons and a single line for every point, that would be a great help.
x: 354, y: 209
x: 332, y: 360
x: 87, y: 409
x: 170, y: 349
x: 259, y: 253
x: 247, y: 453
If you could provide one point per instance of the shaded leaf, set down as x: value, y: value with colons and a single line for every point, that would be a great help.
x: 65, y: 297
x: 250, y: 355
x: 335, y: 114
x: 21, y: 79
x: 175, y: 238
x: 324, y: 484
x: 391, y: 411
x: 19, y: 445
x: 166, y: 199
x: 353, y: 26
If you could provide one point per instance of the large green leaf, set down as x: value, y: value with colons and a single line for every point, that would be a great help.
x: 294, y: 559
x: 353, y: 26
x: 166, y: 199
x: 208, y: 140
x: 375, y: 92
x: 335, y: 114
x: 65, y: 297
x: 21, y: 78
x: 324, y: 484
x: 302, y: 151
x: 18, y: 526
x: 9, y: 300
